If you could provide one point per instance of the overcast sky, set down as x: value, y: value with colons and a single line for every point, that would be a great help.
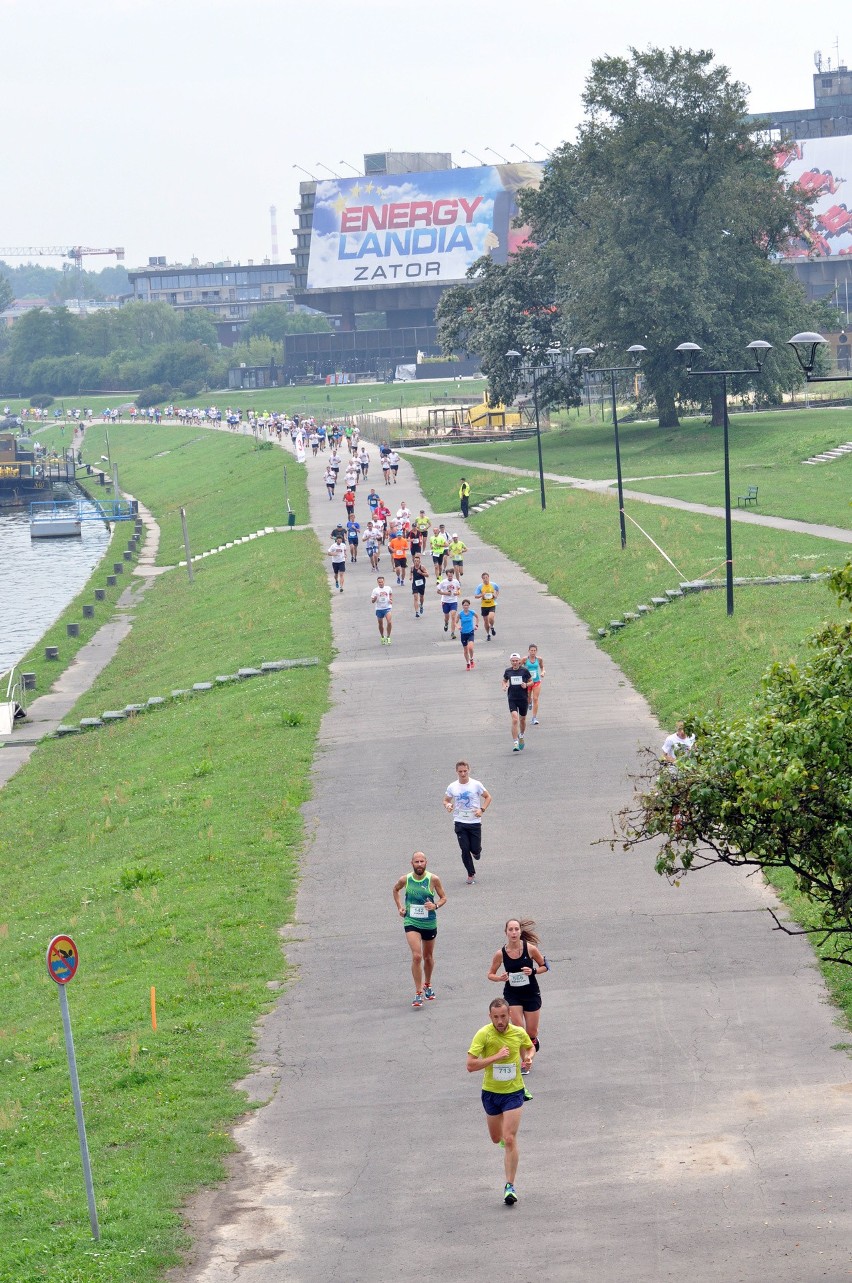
x: 171, y: 126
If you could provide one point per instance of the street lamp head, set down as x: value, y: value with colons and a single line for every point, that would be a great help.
x: 584, y: 351
x: 805, y: 346
x: 760, y: 348
x: 516, y: 356
x: 636, y: 349
x: 689, y: 352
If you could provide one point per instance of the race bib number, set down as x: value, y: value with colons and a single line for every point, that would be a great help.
x: 516, y: 680
x: 418, y: 911
x: 504, y: 1073
x: 517, y: 979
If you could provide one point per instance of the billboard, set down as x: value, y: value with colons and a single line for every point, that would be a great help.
x: 415, y: 228
x: 823, y: 168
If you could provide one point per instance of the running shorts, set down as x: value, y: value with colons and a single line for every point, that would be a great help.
x: 449, y: 607
x: 425, y: 933
x: 496, y: 1102
x: 466, y: 639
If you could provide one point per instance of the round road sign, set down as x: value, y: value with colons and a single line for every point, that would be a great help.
x: 62, y: 959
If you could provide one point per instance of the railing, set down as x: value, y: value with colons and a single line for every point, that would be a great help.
x: 85, y: 509
x: 14, y: 687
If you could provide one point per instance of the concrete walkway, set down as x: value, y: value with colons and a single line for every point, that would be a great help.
x: 49, y: 711
x: 748, y: 517
x: 690, y: 1119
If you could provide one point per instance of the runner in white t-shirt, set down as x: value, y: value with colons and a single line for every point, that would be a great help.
x: 449, y: 590
x: 382, y: 599
x: 467, y: 800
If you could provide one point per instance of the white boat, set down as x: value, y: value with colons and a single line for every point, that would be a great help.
x: 55, y: 520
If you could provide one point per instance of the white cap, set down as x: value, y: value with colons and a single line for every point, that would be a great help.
x: 514, y: 655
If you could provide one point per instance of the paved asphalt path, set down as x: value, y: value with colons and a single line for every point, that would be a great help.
x: 690, y: 1119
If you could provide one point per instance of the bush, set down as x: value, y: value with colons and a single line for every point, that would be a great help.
x: 41, y: 401
x: 156, y: 394
x: 189, y: 388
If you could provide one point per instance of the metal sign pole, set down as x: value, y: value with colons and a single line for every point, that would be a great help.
x: 78, y: 1110
x: 62, y: 962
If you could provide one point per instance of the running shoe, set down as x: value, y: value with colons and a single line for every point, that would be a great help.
x: 488, y: 637
x: 429, y: 994
x: 471, y: 881
x: 535, y: 721
x: 493, y: 632
x: 341, y: 587
x: 452, y: 637
x: 509, y: 1195
x: 473, y: 663
x: 527, y: 1093
x: 468, y: 667
x: 388, y: 641
x: 516, y: 747
x: 520, y: 741
x: 524, y: 1072
x: 446, y: 625
x: 418, y: 1000
x: 536, y: 1044
x: 421, y: 610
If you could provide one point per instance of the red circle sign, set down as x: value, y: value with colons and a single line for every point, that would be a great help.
x: 62, y: 959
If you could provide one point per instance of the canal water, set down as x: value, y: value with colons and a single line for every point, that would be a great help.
x: 39, y: 578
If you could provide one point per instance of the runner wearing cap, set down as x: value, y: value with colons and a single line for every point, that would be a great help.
x: 382, y: 599
x: 535, y: 664
x: 516, y: 680
x: 458, y: 548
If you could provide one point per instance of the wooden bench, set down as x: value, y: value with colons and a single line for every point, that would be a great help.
x: 743, y: 500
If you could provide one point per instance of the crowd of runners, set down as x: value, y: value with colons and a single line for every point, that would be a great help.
x: 415, y: 566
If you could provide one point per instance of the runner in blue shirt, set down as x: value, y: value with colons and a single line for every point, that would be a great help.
x: 468, y: 624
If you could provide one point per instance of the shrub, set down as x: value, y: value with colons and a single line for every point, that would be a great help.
x: 41, y: 401
x: 156, y: 394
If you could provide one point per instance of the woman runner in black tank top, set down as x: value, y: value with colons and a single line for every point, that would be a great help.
x: 517, y: 964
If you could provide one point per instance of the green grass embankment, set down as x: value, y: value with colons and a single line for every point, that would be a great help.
x: 168, y: 847
x: 687, y: 656
x: 766, y: 450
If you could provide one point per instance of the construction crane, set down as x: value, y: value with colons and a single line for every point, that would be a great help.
x: 75, y: 252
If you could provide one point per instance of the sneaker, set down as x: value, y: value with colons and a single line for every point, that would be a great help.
x: 488, y: 637
x: 429, y: 994
x: 341, y: 587
x: 471, y: 881
x: 527, y: 1093
x: 535, y: 721
x: 493, y: 632
x: 468, y: 667
x: 536, y: 1044
x: 388, y: 641
x: 516, y: 748
x: 418, y: 1000
x: 452, y: 637
x: 524, y: 1072
x: 509, y: 1195
x: 446, y: 625
x: 420, y: 612
x: 473, y: 663
x: 520, y: 741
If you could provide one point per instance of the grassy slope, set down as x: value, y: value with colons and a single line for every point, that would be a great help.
x: 766, y: 450
x: 168, y: 847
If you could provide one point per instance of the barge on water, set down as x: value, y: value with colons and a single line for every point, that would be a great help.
x: 26, y: 472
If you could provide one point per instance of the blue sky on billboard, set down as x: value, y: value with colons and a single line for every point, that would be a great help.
x: 170, y: 128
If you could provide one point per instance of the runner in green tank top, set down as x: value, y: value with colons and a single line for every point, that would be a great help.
x: 424, y: 895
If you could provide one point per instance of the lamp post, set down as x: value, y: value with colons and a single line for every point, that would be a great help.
x: 521, y: 150
x: 320, y: 165
x: 302, y: 170
x: 497, y: 154
x: 465, y: 152
x: 759, y: 348
x: 529, y: 369
x: 636, y: 350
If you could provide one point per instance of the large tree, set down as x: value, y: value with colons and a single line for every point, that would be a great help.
x: 509, y: 307
x: 662, y: 219
x: 771, y: 788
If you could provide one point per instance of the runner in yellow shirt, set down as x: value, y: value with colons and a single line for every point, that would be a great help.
x: 502, y: 1050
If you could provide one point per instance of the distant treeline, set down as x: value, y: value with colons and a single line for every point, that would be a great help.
x: 31, y: 280
x: 139, y: 346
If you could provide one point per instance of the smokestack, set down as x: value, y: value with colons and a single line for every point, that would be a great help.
x: 273, y: 218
